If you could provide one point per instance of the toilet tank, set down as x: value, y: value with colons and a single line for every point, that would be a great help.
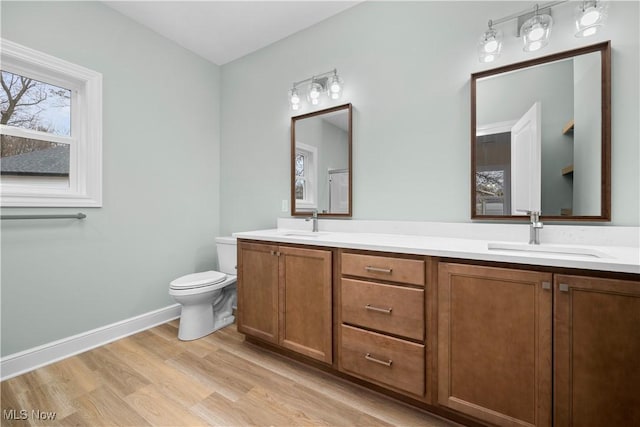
x: 227, y: 255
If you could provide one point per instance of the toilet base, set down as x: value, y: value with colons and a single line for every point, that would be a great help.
x: 197, y: 321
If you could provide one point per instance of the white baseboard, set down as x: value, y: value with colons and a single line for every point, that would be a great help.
x: 33, y: 358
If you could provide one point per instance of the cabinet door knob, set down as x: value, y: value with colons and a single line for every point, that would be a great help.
x: 378, y: 309
x: 370, y: 358
x: 546, y: 285
x: 563, y: 287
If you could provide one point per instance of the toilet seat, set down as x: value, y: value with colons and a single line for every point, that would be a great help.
x: 198, y: 280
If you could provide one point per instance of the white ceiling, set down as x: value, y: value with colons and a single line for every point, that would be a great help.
x: 222, y: 31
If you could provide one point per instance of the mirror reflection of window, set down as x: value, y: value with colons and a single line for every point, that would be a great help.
x: 574, y: 89
x: 321, y: 162
x: 305, y: 176
x: 300, y: 178
x: 493, y: 174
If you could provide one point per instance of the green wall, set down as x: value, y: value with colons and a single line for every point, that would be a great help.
x: 406, y: 67
x: 161, y: 178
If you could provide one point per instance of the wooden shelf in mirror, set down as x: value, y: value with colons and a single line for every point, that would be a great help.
x: 568, y: 170
x: 568, y: 128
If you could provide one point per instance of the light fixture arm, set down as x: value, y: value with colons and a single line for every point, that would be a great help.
x: 526, y: 11
x: 316, y: 77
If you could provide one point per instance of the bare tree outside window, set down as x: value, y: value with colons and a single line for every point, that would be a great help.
x: 30, y: 104
x: 300, y: 176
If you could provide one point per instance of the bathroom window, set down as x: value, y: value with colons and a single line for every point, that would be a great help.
x: 50, y: 131
x: 305, y: 170
x: 490, y: 192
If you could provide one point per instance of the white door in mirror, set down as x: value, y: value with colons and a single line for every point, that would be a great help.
x: 526, y: 148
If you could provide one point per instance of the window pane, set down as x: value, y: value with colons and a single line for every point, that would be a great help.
x: 490, y: 192
x: 30, y: 104
x: 299, y: 189
x: 299, y: 164
x: 24, y: 156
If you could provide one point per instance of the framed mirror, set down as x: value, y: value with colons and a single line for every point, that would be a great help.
x: 321, y: 162
x: 559, y: 103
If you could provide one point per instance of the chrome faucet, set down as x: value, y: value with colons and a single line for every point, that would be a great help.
x: 534, y: 228
x: 314, y: 217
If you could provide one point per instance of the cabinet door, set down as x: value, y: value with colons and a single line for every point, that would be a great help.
x: 597, y: 352
x: 494, y: 344
x: 258, y: 290
x: 305, y: 302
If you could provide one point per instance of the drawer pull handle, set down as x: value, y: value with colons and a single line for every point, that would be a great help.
x: 378, y: 269
x: 381, y: 362
x: 378, y: 309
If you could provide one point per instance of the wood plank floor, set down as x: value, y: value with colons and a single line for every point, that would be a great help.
x: 153, y: 379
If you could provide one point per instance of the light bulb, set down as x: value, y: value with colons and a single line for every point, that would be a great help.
x: 491, y: 46
x: 533, y: 46
x: 335, y: 87
x: 314, y: 93
x: 294, y: 99
x: 590, y: 17
x: 536, y: 33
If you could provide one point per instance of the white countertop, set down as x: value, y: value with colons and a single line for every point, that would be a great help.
x: 613, y: 258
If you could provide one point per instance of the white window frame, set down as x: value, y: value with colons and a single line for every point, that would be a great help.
x: 84, y: 187
x: 310, y: 173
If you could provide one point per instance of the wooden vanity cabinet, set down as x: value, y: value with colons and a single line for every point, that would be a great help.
x: 482, y: 352
x: 284, y: 297
x: 597, y: 352
x: 382, y: 321
x: 494, y: 344
x: 258, y: 292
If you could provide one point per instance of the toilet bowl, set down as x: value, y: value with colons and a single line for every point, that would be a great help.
x: 207, y: 298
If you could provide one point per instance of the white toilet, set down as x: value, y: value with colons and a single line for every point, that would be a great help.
x: 208, y: 298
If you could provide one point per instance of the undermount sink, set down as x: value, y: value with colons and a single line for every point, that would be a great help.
x: 551, y: 249
x: 302, y: 233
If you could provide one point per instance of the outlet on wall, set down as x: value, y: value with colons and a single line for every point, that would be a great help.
x: 285, y: 206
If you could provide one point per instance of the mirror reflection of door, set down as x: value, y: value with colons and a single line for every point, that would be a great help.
x: 574, y: 138
x: 526, y: 145
x: 339, y: 191
x: 508, y: 180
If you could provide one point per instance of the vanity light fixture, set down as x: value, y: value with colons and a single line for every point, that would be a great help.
x: 535, y: 27
x: 535, y: 31
x: 326, y: 84
x: 490, y: 44
x: 294, y: 99
x: 590, y: 17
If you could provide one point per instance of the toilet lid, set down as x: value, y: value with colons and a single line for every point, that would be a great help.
x: 197, y: 280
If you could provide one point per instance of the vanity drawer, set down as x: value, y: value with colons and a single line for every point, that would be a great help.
x: 393, y: 309
x: 382, y: 359
x: 401, y: 270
